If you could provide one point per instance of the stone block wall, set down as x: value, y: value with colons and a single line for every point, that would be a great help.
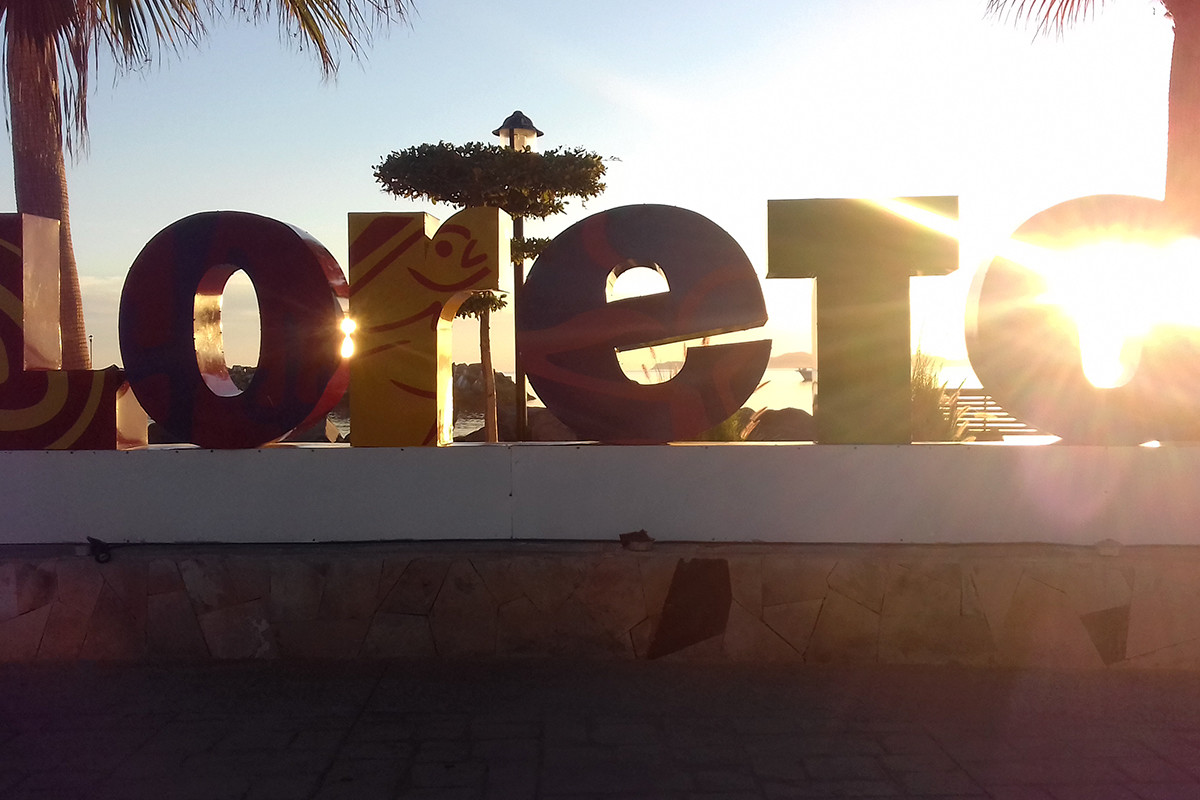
x: 1003, y: 605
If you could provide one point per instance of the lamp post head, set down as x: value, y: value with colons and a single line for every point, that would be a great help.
x: 518, y: 131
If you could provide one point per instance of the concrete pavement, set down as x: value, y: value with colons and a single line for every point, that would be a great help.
x: 547, y: 729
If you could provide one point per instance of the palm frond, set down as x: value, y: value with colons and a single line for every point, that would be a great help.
x: 1050, y: 16
x: 323, y: 24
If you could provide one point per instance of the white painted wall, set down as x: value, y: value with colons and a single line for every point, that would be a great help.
x: 746, y: 492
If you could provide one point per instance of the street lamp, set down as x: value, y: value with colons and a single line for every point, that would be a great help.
x: 519, y: 132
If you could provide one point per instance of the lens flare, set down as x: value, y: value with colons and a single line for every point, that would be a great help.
x: 1116, y: 293
x: 348, y: 327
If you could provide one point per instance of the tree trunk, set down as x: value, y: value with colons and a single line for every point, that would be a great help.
x: 40, y: 173
x: 490, y: 427
x: 1183, y: 122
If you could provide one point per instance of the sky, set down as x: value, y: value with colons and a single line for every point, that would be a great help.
x: 700, y: 105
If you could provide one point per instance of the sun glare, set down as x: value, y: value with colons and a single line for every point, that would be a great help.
x: 348, y: 326
x: 1116, y: 293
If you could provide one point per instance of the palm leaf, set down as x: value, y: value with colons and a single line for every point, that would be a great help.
x: 1050, y: 16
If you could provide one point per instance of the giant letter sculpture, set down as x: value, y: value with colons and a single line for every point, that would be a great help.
x: 41, y: 406
x: 407, y: 279
x: 1026, y: 351
x: 862, y: 257
x: 170, y: 329
x: 568, y: 334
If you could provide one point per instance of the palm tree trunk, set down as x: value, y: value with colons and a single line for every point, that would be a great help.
x: 1183, y: 123
x: 490, y: 427
x: 40, y: 173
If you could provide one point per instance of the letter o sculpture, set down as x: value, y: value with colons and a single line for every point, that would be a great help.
x: 170, y: 329
x: 1026, y: 352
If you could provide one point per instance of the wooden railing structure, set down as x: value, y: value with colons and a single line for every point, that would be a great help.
x: 986, y: 420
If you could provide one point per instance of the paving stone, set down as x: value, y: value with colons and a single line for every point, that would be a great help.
x: 296, y: 590
x: 507, y: 750
x: 1043, y: 630
x: 843, y: 768
x: 846, y: 632
x: 113, y: 632
x: 565, y: 730
x: 918, y: 762
x: 939, y: 784
x: 361, y: 779
x: 746, y: 581
x: 128, y: 578
x: 995, y: 585
x: 443, y: 726
x: 21, y: 635
x: 35, y: 586
x: 79, y: 583
x: 1047, y: 771
x: 417, y: 587
x: 351, y: 586
x: 283, y: 787
x: 725, y: 780
x: 511, y: 780
x: 1164, y: 596
x: 443, y: 751
x: 555, y: 729
x: 579, y: 770
x: 709, y: 755
x: 793, y: 579
x: 508, y: 729
x: 863, y: 581
x: 374, y: 751
x: 1017, y: 793
x: 220, y: 582
x: 393, y: 567
x: 376, y: 730
x: 911, y: 743
x: 323, y: 741
x: 776, y: 765
x: 521, y: 627
x: 612, y: 594
x: 794, y: 622
x: 749, y: 639
x: 1093, y: 793
x: 922, y: 623
x: 549, y: 582
x: 326, y: 638
x: 463, y: 618
x: 830, y: 789
x: 453, y: 773
x: 1162, y: 791
x: 172, y: 630
x: 238, y: 632
x: 62, y: 638
x: 162, y: 575
x: 656, y: 571
x: 501, y: 577
x: 398, y: 636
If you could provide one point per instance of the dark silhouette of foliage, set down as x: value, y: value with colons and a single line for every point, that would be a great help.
x: 479, y: 304
x: 521, y: 182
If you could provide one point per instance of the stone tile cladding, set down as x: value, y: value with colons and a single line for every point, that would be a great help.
x: 1003, y: 605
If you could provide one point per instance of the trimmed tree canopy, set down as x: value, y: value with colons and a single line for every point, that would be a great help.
x: 521, y: 182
